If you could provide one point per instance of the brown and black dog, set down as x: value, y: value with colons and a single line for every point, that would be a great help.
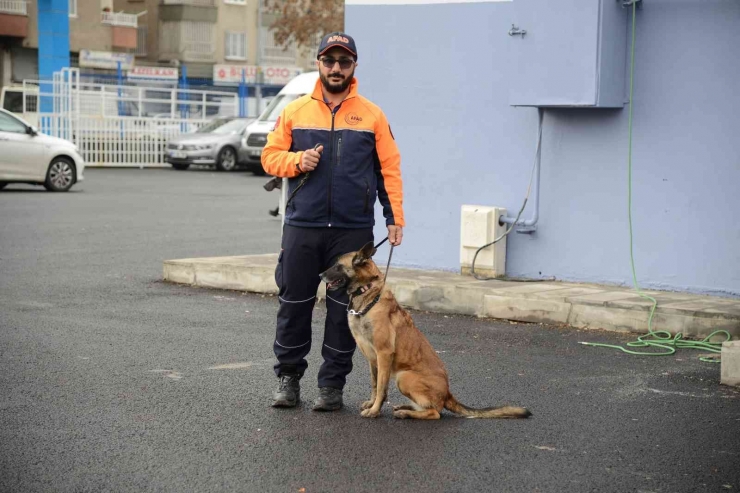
x: 387, y: 336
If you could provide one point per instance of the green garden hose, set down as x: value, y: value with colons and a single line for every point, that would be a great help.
x: 655, y: 339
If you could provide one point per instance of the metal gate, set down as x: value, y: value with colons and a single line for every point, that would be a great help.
x: 120, y: 125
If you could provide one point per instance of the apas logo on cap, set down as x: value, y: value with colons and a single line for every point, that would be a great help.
x: 340, y: 39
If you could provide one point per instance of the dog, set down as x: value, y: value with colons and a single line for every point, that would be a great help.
x: 394, y: 346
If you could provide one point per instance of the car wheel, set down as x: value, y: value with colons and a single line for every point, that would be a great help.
x: 61, y: 175
x: 2, y: 184
x: 226, y: 159
x: 181, y: 167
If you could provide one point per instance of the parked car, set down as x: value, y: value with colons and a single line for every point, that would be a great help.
x: 215, y: 144
x: 255, y: 136
x: 28, y: 156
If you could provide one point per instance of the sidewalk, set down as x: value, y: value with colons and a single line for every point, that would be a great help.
x: 579, y: 305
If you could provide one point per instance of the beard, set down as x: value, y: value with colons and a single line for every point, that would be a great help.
x: 337, y: 88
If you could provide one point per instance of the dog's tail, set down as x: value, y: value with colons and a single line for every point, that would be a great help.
x: 451, y: 404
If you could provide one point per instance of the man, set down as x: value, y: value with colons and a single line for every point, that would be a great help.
x: 345, y: 143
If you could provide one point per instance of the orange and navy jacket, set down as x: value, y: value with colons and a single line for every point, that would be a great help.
x: 360, y: 162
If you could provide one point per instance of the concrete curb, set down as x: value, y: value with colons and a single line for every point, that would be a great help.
x: 578, y: 305
x: 730, y: 374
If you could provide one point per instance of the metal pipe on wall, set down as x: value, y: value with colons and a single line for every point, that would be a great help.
x: 530, y: 225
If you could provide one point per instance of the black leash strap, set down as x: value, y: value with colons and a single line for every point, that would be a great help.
x: 300, y: 185
x: 377, y: 298
x: 390, y: 256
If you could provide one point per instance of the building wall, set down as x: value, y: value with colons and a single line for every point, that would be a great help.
x: 32, y: 39
x: 86, y: 31
x: 230, y: 17
x: 442, y: 74
x: 237, y: 18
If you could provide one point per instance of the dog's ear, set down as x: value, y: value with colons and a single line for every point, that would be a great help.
x: 365, y: 253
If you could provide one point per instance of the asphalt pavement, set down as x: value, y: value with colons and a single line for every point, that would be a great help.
x: 112, y: 380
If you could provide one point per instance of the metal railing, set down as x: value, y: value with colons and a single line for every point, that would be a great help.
x: 118, y: 19
x: 16, y: 7
x: 126, y: 101
x: 122, y: 125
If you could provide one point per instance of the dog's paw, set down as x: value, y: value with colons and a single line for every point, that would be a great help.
x: 367, y: 404
x: 370, y: 413
x: 400, y: 413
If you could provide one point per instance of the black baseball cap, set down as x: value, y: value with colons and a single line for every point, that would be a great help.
x: 337, y: 39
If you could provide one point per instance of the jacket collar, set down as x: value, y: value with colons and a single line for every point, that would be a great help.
x: 318, y: 93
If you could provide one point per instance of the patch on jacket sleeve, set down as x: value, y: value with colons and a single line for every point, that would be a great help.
x: 277, y: 122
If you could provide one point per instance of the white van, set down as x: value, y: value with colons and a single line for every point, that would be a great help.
x: 12, y: 100
x: 255, y: 137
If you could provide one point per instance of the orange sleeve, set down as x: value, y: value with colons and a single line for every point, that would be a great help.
x: 390, y: 168
x: 277, y: 160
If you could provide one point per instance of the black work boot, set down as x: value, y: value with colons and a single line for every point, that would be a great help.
x: 288, y: 392
x: 330, y: 399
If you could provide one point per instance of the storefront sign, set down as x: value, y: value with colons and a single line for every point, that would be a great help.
x: 106, y: 59
x: 232, y: 74
x: 162, y: 73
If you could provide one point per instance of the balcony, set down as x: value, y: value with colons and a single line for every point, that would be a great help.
x: 117, y: 19
x: 187, y: 41
x: 13, y: 18
x: 14, y: 7
x: 188, y: 10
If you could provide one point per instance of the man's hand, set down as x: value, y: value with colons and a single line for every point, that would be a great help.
x: 395, y: 234
x: 310, y: 159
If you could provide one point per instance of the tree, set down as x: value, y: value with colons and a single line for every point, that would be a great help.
x: 304, y: 21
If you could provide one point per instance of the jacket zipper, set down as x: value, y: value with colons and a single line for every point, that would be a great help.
x: 331, y: 175
x: 367, y: 197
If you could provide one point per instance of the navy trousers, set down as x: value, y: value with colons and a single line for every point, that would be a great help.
x: 305, y: 253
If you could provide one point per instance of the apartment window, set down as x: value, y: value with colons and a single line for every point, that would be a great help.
x: 235, y: 47
x: 141, y: 39
x: 274, y: 53
x: 236, y: 2
x: 186, y: 40
x: 73, y: 8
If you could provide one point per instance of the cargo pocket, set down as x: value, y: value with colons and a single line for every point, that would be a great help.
x: 279, y: 270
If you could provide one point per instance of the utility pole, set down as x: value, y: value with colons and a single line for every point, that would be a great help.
x: 258, y: 75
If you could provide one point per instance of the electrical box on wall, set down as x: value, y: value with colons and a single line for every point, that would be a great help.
x: 479, y: 225
x: 569, y: 53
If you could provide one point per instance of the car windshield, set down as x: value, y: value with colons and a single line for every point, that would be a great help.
x: 232, y: 127
x: 213, y: 125
x: 276, y: 106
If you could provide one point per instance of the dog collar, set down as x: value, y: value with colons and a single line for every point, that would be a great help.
x: 362, y: 289
x: 364, y: 310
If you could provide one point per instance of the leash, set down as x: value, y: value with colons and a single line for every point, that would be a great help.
x: 300, y: 184
x: 390, y: 256
x: 362, y: 312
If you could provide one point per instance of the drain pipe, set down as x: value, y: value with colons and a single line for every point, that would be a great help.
x: 529, y: 226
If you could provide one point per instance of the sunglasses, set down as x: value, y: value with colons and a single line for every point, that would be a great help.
x: 344, y: 63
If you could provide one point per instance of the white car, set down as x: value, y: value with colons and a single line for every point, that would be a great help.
x: 255, y: 136
x: 27, y: 156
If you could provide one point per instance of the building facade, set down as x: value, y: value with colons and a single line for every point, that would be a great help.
x: 445, y: 73
x: 39, y: 37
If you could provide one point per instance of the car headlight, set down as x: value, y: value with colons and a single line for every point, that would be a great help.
x: 205, y: 147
